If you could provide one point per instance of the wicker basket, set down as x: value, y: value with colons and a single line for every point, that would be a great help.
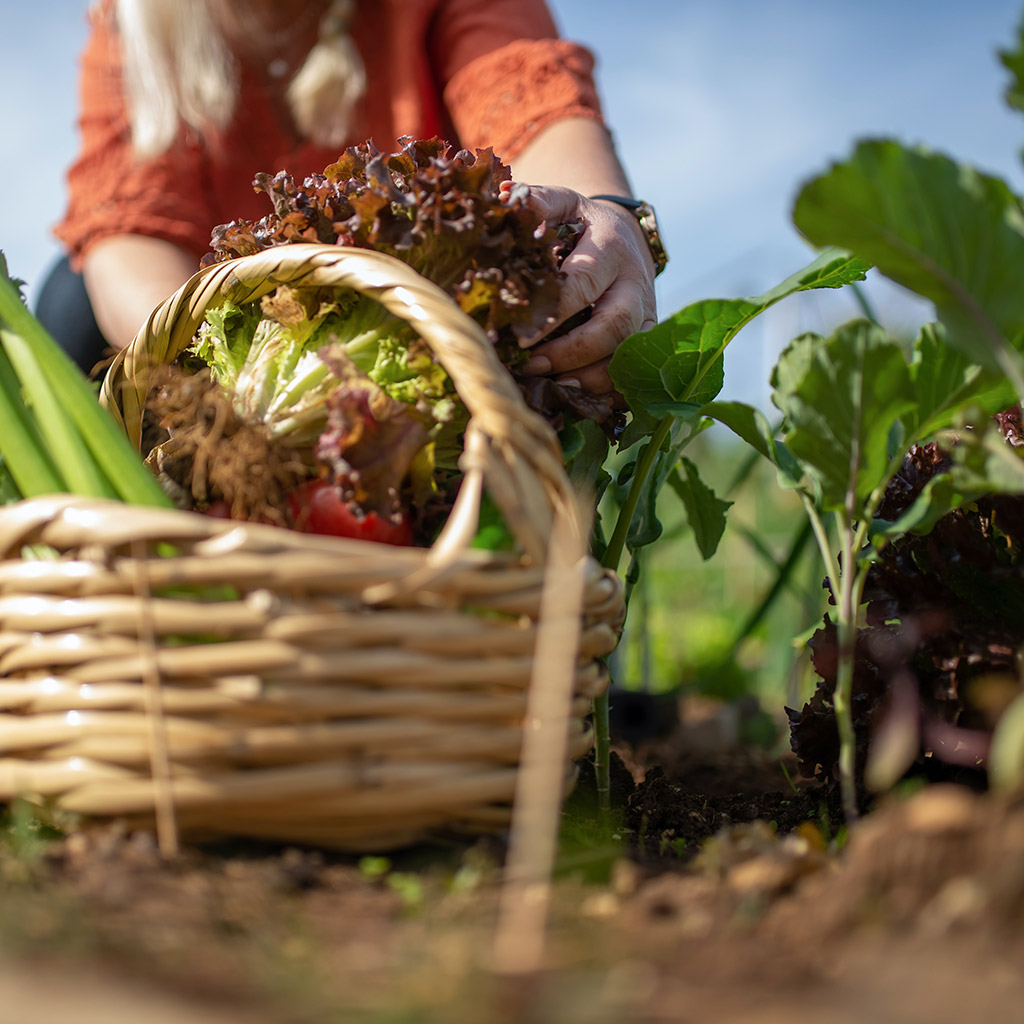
x: 252, y: 681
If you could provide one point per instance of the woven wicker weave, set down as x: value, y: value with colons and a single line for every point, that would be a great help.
x: 265, y: 683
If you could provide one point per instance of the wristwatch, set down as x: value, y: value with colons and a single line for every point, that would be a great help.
x: 644, y: 214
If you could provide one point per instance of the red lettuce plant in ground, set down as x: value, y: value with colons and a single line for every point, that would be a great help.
x: 936, y: 661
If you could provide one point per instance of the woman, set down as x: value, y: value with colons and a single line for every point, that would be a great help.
x: 183, y: 103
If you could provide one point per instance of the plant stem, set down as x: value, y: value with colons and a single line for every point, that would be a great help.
x: 846, y: 585
x: 842, y: 697
x: 643, y: 592
x: 611, y: 559
x: 603, y: 753
x: 617, y: 542
x: 821, y: 537
x: 865, y: 304
x: 851, y: 589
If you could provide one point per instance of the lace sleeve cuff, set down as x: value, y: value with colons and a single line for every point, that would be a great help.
x: 504, y: 98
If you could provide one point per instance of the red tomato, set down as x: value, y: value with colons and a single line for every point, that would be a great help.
x: 219, y: 509
x: 316, y: 507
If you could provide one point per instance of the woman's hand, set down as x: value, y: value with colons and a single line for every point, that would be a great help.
x: 611, y: 270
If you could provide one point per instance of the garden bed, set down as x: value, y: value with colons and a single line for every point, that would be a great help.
x: 686, y: 914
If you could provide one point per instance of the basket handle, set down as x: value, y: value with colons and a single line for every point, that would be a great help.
x: 514, y: 450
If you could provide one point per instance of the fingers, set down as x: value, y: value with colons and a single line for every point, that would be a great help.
x: 620, y: 312
x: 589, y: 271
x: 554, y: 203
x: 593, y: 378
x: 606, y: 272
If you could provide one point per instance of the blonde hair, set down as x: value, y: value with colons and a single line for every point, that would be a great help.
x: 178, y: 70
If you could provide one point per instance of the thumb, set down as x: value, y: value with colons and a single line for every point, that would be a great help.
x: 554, y: 203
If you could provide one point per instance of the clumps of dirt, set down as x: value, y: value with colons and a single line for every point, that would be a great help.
x: 921, y: 886
x: 946, y: 860
x: 214, y: 923
x: 757, y: 919
x: 682, y: 787
x: 210, y: 457
x: 667, y: 812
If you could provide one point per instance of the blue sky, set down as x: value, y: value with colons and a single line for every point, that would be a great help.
x: 720, y: 109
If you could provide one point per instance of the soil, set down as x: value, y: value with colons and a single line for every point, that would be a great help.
x: 721, y: 893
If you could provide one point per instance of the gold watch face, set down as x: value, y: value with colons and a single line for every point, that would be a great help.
x: 644, y: 214
x: 649, y: 225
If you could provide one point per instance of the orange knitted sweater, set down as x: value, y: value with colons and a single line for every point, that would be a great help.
x: 477, y: 72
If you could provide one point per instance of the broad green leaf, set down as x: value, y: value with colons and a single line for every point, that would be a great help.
x: 840, y: 396
x: 680, y: 360
x: 941, y: 229
x: 1013, y: 60
x: 752, y: 426
x: 831, y: 268
x: 689, y: 411
x: 946, y: 381
x: 704, y: 509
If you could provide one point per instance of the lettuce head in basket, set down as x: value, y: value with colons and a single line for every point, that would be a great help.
x: 354, y: 425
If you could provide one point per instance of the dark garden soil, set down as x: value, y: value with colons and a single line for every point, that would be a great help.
x: 717, y: 899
